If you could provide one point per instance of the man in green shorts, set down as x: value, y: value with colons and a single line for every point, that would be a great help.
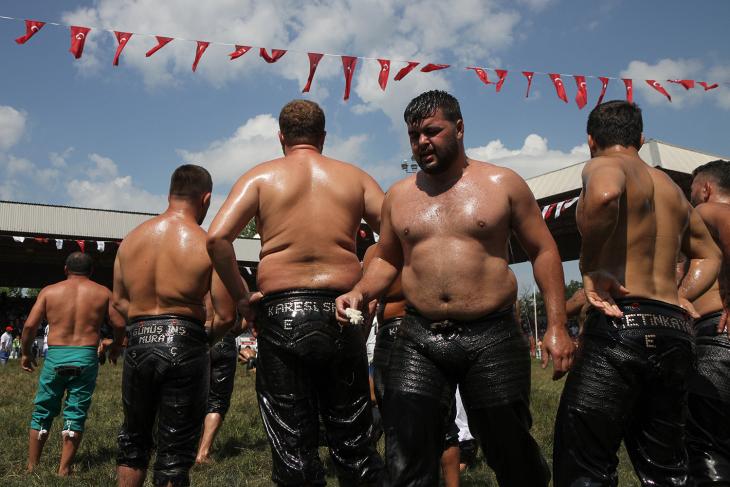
x: 75, y: 310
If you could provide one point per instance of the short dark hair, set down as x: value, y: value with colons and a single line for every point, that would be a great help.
x: 190, y: 181
x: 79, y: 263
x: 301, y: 122
x: 616, y: 122
x: 718, y: 170
x: 426, y: 104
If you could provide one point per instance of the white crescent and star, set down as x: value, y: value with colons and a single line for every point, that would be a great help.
x: 34, y: 28
x: 80, y: 36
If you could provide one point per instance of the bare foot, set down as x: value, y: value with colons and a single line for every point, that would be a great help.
x: 64, y: 472
x: 204, y: 460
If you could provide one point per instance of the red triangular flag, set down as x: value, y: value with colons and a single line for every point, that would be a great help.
x: 348, y: 65
x: 78, y: 38
x: 559, y: 88
x: 581, y: 97
x: 43, y: 240
x: 313, y: 63
x: 384, y: 73
x: 654, y: 84
x: 528, y: 75
x: 629, y: 89
x: 433, y: 67
x: 482, y: 74
x: 404, y: 71
x: 502, y: 76
x: 161, y: 42
x: 706, y: 86
x: 31, y: 27
x: 240, y: 51
x: 604, y: 85
x: 202, y: 46
x: 122, y: 39
x: 276, y: 54
x: 686, y: 83
x: 82, y: 245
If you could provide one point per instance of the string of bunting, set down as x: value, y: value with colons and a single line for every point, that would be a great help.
x: 79, y: 35
x: 60, y: 242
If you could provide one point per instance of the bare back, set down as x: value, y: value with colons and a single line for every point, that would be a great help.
x: 164, y: 268
x: 309, y: 211
x: 716, y: 216
x: 75, y: 309
x: 653, y: 216
x: 455, y: 243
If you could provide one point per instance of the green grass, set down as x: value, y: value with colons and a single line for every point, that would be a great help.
x: 241, y: 450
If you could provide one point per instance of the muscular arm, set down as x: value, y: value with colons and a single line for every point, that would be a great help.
x: 238, y: 209
x: 575, y: 304
x: 535, y: 238
x: 704, y: 258
x: 603, y: 186
x: 118, y: 323
x: 373, y: 203
x: 223, y: 308
x: 120, y: 294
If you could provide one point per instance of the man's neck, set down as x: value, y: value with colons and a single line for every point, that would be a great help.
x: 719, y: 198
x: 182, y: 209
x: 290, y: 149
x: 449, y: 176
x: 77, y: 277
x: 616, y: 150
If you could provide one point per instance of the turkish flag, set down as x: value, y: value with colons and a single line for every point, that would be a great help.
x: 82, y: 245
x: 202, y: 46
x: 122, y: 39
x: 528, y: 75
x: 31, y: 27
x: 604, y: 85
x: 314, y: 58
x: 659, y: 88
x: 348, y: 65
x: 161, y: 42
x: 78, y: 38
x: 240, y: 51
x: 482, y: 75
x: 433, y: 67
x: 276, y: 54
x: 559, y: 88
x: 404, y: 71
x: 581, y: 97
x: 502, y: 76
x: 687, y: 83
x: 629, y: 89
x: 706, y: 86
x: 384, y: 73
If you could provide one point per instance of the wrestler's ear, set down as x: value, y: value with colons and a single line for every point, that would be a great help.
x: 641, y: 143
x: 65, y: 270
x: 281, y: 141
x: 460, y: 129
x: 321, y: 141
x: 591, y: 144
x: 206, y: 200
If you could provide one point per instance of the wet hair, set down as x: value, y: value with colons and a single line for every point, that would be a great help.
x: 79, y: 263
x: 426, y: 104
x: 301, y: 122
x: 190, y: 181
x: 616, y: 122
x: 718, y: 171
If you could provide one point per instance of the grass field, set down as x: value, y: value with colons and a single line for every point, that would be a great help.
x: 241, y: 450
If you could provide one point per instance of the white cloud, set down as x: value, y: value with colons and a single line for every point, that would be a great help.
x: 16, y: 166
x: 103, y: 168
x: 662, y: 71
x: 12, y: 126
x: 720, y: 74
x: 58, y: 159
x: 118, y: 193
x: 532, y: 159
x: 413, y: 29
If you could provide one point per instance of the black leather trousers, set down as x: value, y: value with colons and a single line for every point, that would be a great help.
x: 223, y: 359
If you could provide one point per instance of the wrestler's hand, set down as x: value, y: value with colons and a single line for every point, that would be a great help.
x: 27, y: 363
x: 114, y: 352
x: 557, y: 345
x: 600, y: 288
x: 688, y: 307
x: 353, y: 299
x: 247, y: 306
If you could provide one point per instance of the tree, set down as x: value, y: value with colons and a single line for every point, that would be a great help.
x: 249, y: 230
x: 572, y: 287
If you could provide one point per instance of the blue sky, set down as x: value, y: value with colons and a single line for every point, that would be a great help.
x: 89, y: 134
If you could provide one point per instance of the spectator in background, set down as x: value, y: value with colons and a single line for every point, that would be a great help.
x: 6, y: 345
x: 15, y: 354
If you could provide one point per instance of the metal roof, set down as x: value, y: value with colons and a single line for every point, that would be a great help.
x: 654, y: 152
x: 33, y: 219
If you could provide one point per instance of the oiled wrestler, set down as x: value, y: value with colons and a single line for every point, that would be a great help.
x: 161, y: 275
x: 629, y: 381
x: 75, y: 309
x: 448, y: 228
x: 708, y: 424
x: 308, y: 208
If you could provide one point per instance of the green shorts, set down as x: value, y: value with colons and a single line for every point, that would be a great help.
x: 70, y: 370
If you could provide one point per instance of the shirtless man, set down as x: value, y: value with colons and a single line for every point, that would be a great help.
x: 390, y: 311
x: 708, y: 424
x: 161, y: 276
x: 308, y: 209
x: 630, y: 377
x: 75, y: 310
x: 448, y: 228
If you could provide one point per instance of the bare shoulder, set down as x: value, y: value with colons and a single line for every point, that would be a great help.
x: 401, y: 187
x: 713, y: 213
x: 498, y: 176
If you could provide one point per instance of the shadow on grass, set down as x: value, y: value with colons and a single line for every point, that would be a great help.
x: 232, y: 447
x: 102, y: 455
